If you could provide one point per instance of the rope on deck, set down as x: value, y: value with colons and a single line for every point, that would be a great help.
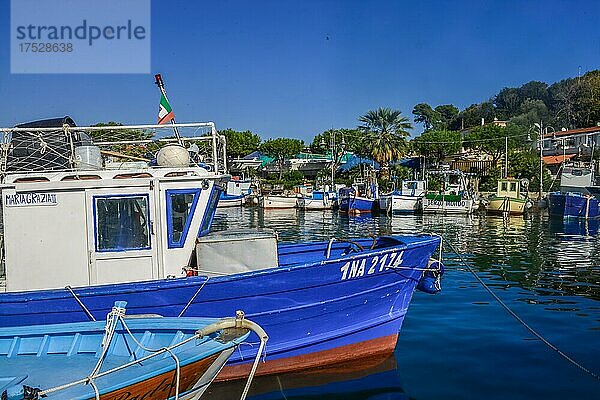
x: 518, y: 318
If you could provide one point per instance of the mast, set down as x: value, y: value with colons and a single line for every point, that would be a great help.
x: 159, y: 82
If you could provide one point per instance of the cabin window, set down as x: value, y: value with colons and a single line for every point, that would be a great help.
x: 122, y: 223
x: 504, y: 186
x: 513, y: 186
x: 181, y: 204
x: 210, y: 211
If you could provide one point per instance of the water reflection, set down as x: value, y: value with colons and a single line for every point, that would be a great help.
x: 370, y: 378
x: 540, y: 254
x: 547, y: 270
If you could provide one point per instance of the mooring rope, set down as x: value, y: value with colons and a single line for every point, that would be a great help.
x: 516, y: 316
x: 189, y: 303
x: 85, y: 309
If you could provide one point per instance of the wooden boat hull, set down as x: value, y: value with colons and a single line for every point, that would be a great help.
x: 51, y: 356
x: 315, y: 309
x: 161, y: 386
x: 507, y: 205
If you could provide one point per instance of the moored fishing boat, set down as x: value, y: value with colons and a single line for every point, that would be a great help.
x: 406, y: 200
x: 318, y: 200
x: 121, y: 357
x: 573, y: 205
x: 352, y: 203
x: 454, y: 197
x: 235, y: 194
x: 279, y: 201
x: 577, y: 195
x: 139, y: 235
x: 230, y: 200
x: 510, y: 198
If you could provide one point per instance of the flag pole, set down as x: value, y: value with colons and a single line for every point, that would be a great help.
x: 159, y: 82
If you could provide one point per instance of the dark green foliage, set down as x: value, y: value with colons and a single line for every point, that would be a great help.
x: 489, y: 182
x: 292, y: 178
x: 385, y: 133
x: 240, y: 144
x: 280, y: 149
x: 446, y: 112
x: 437, y: 144
x: 145, y: 150
x: 526, y: 164
x: 425, y: 115
x: 570, y: 103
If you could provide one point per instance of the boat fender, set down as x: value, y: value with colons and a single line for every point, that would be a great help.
x: 431, y: 280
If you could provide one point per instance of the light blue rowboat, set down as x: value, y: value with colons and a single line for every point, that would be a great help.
x: 124, y: 357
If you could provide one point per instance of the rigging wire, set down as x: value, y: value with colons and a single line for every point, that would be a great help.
x: 517, y: 317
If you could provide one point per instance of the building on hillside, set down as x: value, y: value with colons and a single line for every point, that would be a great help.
x: 565, y: 144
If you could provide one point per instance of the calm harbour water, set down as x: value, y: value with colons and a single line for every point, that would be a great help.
x: 460, y: 343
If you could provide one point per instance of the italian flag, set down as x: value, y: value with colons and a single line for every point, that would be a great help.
x: 165, y: 112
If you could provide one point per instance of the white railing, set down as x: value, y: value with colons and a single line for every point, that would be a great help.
x: 60, y: 148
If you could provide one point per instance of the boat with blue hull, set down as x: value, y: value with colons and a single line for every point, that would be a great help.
x: 139, y: 233
x: 325, y: 301
x: 352, y: 203
x: 121, y: 357
x: 231, y: 200
x: 573, y: 205
x: 577, y: 197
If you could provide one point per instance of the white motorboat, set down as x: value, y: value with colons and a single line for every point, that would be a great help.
x: 406, y: 200
x: 279, y: 201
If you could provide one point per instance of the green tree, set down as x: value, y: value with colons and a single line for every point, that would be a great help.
x: 385, y: 133
x: 490, y: 139
x: 351, y: 138
x: 426, y: 115
x: 526, y: 164
x: 133, y: 150
x: 446, y: 112
x: 240, y: 144
x: 564, y: 96
x: 280, y: 149
x: 437, y: 144
x: 531, y: 111
x: 588, y: 104
x: 507, y: 102
x: 472, y: 116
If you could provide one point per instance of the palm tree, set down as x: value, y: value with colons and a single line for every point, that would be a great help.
x: 385, y: 133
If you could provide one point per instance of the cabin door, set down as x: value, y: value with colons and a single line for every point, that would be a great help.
x: 122, y: 244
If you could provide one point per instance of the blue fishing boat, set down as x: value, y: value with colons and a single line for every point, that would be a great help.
x: 323, y: 302
x: 318, y: 200
x: 573, y: 205
x: 351, y: 202
x: 140, y: 234
x: 577, y: 195
x: 122, y: 357
x: 231, y: 200
x: 235, y: 194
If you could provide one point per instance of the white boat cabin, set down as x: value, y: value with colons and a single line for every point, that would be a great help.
x: 111, y: 220
x: 416, y: 188
x: 509, y: 188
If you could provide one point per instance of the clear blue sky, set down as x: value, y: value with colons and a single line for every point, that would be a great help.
x: 296, y: 68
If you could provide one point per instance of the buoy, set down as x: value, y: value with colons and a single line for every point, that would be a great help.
x: 173, y: 156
